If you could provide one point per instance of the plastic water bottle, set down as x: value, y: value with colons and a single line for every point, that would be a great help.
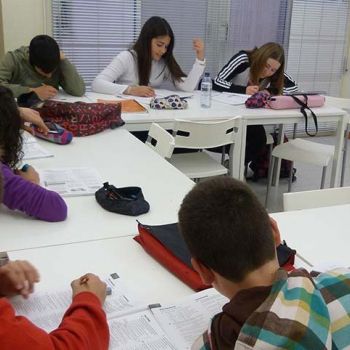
x: 206, y: 87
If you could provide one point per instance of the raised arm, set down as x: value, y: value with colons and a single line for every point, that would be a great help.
x: 190, y: 82
x: 70, y: 80
x: 107, y: 81
x: 236, y: 65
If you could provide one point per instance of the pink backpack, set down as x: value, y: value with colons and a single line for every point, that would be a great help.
x: 82, y: 118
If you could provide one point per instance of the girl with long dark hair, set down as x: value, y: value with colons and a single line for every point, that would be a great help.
x: 21, y: 186
x: 149, y: 63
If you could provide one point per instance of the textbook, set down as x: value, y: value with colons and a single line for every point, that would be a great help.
x: 71, y: 181
x: 133, y: 325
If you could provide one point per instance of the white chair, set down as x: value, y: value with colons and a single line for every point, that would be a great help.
x: 200, y: 136
x: 160, y: 141
x: 303, y: 151
x: 196, y: 136
x: 343, y: 103
x: 316, y: 199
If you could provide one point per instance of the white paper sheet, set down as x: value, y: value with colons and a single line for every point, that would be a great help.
x: 186, y: 320
x: 138, y: 332
x: 34, y: 151
x: 45, y: 309
x: 229, y: 98
x: 71, y: 181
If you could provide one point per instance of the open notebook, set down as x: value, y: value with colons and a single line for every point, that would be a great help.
x: 133, y: 325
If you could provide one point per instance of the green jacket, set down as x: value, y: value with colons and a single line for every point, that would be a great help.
x: 17, y: 74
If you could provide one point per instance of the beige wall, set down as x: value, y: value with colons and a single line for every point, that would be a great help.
x: 22, y: 20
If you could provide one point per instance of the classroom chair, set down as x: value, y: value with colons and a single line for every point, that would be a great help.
x: 197, y: 136
x: 316, y: 199
x: 303, y: 151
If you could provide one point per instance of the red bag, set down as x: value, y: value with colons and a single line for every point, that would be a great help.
x: 175, y: 260
x: 81, y: 118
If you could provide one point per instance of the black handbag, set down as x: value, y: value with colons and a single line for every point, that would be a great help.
x: 125, y: 200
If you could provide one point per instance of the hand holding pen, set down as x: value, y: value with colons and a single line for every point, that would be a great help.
x: 90, y: 283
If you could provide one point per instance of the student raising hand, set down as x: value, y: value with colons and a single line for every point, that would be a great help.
x: 198, y: 47
x: 18, y: 277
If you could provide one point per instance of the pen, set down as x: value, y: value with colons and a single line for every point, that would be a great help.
x: 85, y: 279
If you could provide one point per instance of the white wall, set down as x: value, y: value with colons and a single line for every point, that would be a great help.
x: 22, y: 20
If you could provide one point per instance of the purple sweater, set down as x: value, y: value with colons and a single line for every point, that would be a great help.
x: 30, y: 198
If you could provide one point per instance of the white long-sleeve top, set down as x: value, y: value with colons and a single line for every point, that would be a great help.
x: 122, y: 72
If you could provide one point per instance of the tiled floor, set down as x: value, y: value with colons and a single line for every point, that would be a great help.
x: 308, y: 178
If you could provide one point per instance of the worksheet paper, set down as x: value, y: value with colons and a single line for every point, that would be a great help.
x: 32, y: 149
x: 229, y: 98
x: 133, y: 326
x: 71, y: 181
x: 45, y: 309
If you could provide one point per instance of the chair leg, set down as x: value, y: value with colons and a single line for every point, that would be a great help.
x: 223, y: 155
x: 344, y: 157
x: 324, y: 170
x: 290, y: 177
x: 269, y: 180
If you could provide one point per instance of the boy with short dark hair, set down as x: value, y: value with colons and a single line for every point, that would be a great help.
x: 232, y: 241
x: 41, y: 68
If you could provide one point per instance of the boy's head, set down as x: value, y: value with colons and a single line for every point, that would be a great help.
x: 44, y: 54
x: 226, y: 228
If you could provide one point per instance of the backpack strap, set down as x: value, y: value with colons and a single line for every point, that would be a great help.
x: 303, y: 108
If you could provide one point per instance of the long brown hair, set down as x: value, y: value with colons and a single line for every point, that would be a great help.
x: 10, y: 126
x: 258, y: 58
x: 154, y: 27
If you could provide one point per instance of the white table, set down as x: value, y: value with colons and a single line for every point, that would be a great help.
x: 122, y: 160
x: 59, y: 265
x: 221, y: 111
x: 319, y: 235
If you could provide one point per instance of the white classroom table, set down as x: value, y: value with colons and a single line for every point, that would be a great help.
x: 320, y: 235
x: 221, y: 111
x: 122, y: 160
x: 142, y: 275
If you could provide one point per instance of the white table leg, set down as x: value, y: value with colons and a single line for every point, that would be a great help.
x: 337, y: 158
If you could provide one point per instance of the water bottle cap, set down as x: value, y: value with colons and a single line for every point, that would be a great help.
x: 207, y: 74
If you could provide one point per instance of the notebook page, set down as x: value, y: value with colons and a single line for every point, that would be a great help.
x: 230, y: 98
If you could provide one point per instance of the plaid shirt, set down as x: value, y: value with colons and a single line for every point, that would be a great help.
x: 301, y: 312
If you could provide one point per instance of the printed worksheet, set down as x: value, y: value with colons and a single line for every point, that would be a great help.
x: 230, y: 98
x: 45, y: 309
x: 71, y: 181
x: 32, y: 149
x: 186, y: 320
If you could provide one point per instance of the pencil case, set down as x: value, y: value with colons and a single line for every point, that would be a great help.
x: 291, y: 101
x: 56, y: 134
x: 125, y: 200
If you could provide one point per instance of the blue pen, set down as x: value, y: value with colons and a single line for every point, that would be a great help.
x: 25, y: 167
